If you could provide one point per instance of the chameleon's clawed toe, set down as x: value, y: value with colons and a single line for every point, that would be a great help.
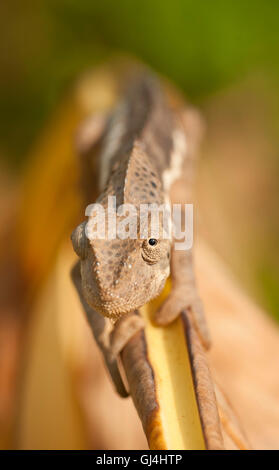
x: 174, y: 305
x: 196, y: 310
x: 169, y: 310
x: 124, y: 329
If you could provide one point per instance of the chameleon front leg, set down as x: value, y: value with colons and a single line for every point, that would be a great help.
x: 101, y: 328
x: 111, y: 338
x: 184, y: 296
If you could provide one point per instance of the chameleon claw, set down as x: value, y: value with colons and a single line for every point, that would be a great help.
x: 195, y: 309
x: 174, y: 305
x: 124, y: 329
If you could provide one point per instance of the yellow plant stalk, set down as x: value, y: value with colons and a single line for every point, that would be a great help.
x: 177, y: 417
x: 170, y: 384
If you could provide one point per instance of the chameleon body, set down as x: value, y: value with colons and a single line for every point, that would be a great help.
x: 145, y: 147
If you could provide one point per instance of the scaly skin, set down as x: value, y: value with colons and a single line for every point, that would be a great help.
x: 145, y: 147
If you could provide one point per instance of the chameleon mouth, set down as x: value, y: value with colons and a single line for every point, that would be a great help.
x: 116, y: 302
x: 109, y: 303
x: 113, y: 308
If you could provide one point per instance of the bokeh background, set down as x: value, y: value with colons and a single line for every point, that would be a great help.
x: 224, y: 56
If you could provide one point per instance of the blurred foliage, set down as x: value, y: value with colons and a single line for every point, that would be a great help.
x: 201, y: 45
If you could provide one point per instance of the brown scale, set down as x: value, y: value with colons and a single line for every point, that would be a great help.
x: 142, y: 184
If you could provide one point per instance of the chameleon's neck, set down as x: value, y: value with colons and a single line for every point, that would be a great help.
x: 139, y: 131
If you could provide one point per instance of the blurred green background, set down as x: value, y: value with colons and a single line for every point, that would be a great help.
x: 208, y: 48
x: 202, y: 45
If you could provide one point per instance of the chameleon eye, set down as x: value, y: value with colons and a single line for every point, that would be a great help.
x: 80, y: 241
x: 152, y: 241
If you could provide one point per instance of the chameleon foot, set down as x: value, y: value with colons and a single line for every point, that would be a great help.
x: 124, y: 329
x: 177, y: 303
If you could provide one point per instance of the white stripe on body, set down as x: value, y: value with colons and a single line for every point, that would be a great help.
x: 171, y: 174
x: 112, y: 142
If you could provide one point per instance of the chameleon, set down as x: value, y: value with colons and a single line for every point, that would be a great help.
x: 146, y: 145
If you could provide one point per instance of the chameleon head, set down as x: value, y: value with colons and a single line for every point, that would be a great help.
x: 119, y: 276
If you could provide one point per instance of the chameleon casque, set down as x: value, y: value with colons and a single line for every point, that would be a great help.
x: 146, y: 146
